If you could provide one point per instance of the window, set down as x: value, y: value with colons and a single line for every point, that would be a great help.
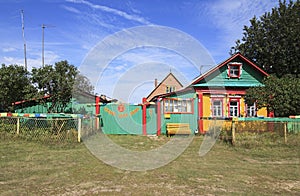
x: 178, y: 105
x: 234, y: 70
x: 234, y: 108
x: 170, y: 89
x: 217, y: 108
x: 251, y: 110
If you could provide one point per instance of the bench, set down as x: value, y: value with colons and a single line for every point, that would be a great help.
x: 178, y: 129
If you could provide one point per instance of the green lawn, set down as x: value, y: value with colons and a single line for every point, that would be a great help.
x: 33, y: 168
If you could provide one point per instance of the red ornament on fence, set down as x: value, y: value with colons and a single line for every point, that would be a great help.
x: 121, y: 107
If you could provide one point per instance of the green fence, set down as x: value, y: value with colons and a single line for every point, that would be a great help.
x: 121, y: 119
x: 127, y: 119
x: 151, y: 120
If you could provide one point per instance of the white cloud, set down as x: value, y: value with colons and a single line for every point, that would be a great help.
x: 134, y: 56
x: 32, y: 61
x: 230, y: 17
x: 9, y: 60
x: 71, y: 9
x: 51, y: 57
x: 234, y: 14
x: 119, y: 68
x: 114, y: 11
x: 98, y: 20
x: 9, y: 49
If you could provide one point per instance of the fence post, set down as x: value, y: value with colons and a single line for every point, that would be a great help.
x: 79, y: 130
x: 285, y: 132
x: 97, y: 123
x: 233, y: 131
x: 18, y: 126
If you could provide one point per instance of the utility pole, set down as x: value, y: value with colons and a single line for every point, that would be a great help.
x: 43, y: 42
x: 24, y: 41
x: 43, y: 57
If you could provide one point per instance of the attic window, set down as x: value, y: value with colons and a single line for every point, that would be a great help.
x: 234, y: 70
x: 170, y: 89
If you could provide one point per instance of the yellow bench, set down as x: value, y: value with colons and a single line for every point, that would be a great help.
x: 178, y: 129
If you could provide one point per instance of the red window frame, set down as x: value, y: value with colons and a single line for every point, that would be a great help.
x: 230, y: 66
x: 238, y: 106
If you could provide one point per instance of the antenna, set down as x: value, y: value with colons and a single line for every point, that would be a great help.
x: 23, y: 35
x: 201, y: 66
x: 43, y: 40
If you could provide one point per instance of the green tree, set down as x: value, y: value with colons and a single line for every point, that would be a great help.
x: 280, y: 95
x: 272, y: 41
x: 83, y: 91
x: 58, y: 82
x: 82, y: 83
x: 15, y: 85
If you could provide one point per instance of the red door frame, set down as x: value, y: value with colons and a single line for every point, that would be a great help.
x: 200, y: 112
x: 158, y: 105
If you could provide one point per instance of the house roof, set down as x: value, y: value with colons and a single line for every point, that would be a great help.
x: 162, y: 82
x: 103, y: 98
x: 33, y: 99
x: 181, y: 91
x: 214, y: 69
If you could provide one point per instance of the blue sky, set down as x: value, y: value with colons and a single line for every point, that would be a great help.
x: 75, y: 27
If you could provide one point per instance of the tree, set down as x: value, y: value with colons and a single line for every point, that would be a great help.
x: 57, y: 82
x: 82, y: 83
x: 280, y: 95
x: 15, y: 85
x: 83, y: 91
x: 272, y: 41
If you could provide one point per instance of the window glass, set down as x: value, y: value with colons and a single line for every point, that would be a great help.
x: 251, y: 110
x: 234, y: 70
x: 217, y: 108
x: 170, y: 89
x: 178, y: 106
x: 233, y: 108
x: 189, y: 106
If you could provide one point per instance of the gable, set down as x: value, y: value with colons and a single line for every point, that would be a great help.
x: 250, y: 74
x: 169, y: 81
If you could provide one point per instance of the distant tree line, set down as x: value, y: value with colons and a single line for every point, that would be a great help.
x: 57, y: 83
x: 273, y: 43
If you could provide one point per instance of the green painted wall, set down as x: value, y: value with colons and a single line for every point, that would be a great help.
x: 72, y: 107
x: 182, y: 118
x: 249, y: 77
x: 151, y: 120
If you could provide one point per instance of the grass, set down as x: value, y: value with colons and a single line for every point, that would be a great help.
x: 33, y: 168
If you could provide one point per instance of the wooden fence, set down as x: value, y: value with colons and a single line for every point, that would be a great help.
x: 233, y: 129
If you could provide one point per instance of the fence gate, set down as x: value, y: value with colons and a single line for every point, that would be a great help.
x: 121, y: 119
